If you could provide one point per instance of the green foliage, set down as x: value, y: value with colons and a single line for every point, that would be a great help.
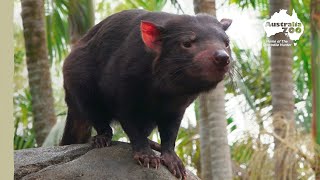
x: 315, y: 58
x: 81, y: 15
x: 188, y: 146
x: 231, y: 124
x: 252, y: 70
x: 153, y: 5
x: 302, y: 67
x: 23, y: 132
x: 242, y: 150
x: 57, y: 29
x: 61, y: 15
x: 118, y: 132
x: 108, y: 7
x: 261, y: 5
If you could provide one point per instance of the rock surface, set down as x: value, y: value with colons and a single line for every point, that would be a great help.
x: 83, y: 162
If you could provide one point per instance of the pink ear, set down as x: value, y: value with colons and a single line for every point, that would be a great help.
x: 150, y: 35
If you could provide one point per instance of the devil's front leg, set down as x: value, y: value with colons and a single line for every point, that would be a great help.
x: 168, y: 127
x: 138, y: 135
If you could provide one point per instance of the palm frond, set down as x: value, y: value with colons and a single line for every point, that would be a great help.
x: 57, y: 29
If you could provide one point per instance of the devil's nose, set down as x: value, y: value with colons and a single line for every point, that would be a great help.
x: 221, y: 58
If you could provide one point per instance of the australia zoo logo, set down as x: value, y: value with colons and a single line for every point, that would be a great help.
x: 282, y: 22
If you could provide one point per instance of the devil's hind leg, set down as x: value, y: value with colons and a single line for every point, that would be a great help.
x: 77, y: 128
x: 83, y: 113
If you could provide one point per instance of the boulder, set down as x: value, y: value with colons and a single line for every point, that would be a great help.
x: 81, y: 161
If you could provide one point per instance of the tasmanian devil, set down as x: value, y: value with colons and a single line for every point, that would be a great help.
x: 142, y: 69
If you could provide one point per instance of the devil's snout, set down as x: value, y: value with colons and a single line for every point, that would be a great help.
x: 221, y: 58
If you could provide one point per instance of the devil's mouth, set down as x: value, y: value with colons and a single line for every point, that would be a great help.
x: 222, y: 69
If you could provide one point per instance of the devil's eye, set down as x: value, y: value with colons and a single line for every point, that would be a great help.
x: 187, y: 44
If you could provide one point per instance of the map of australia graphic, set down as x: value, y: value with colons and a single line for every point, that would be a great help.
x: 281, y: 21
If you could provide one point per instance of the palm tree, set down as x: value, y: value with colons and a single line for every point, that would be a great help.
x: 282, y: 96
x: 81, y: 18
x: 213, y: 124
x: 315, y: 57
x: 38, y: 67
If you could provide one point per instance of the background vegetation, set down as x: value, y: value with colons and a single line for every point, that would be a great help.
x: 275, y: 146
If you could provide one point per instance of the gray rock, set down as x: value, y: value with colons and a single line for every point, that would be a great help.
x: 83, y: 162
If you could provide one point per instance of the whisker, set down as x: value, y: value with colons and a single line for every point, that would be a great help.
x: 234, y: 76
x: 173, y: 75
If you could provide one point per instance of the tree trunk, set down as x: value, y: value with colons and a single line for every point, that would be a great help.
x: 38, y: 67
x: 81, y: 18
x: 282, y: 97
x: 205, y: 6
x: 213, y: 124
x: 205, y: 152
x: 315, y: 40
x: 220, y: 150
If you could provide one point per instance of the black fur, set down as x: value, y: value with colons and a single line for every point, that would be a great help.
x: 111, y: 75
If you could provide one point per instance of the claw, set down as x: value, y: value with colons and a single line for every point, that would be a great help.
x: 100, y: 141
x: 147, y: 159
x: 174, y: 164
